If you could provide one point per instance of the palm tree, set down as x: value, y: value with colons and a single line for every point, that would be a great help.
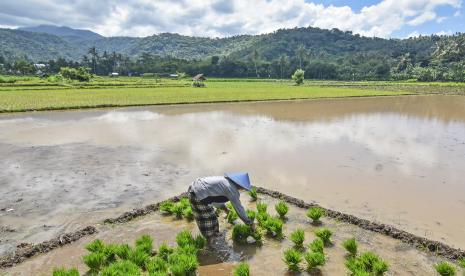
x: 256, y: 58
x: 301, y: 52
x: 94, y: 55
x: 282, y: 63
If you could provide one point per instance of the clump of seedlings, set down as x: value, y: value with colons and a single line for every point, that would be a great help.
x: 281, y: 208
x: 180, y: 209
x: 261, y: 207
x: 232, y: 216
x: 251, y: 214
x: 123, y: 267
x: 242, y: 270
x: 65, y: 272
x: 325, y: 235
x: 351, y: 246
x: 367, y: 263
x: 317, y: 245
x: 273, y: 227
x: 253, y: 194
x: 314, y: 259
x: 315, y: 213
x: 292, y: 258
x: 462, y: 263
x: 298, y: 238
x: 241, y: 232
x: 445, y: 269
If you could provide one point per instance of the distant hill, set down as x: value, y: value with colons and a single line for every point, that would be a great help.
x: 69, y: 33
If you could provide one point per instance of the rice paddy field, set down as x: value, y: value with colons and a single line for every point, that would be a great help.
x: 33, y: 93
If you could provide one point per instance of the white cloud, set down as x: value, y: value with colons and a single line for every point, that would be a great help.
x: 449, y: 32
x: 220, y: 17
x: 413, y: 34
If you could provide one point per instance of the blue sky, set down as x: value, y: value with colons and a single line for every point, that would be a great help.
x: 219, y: 18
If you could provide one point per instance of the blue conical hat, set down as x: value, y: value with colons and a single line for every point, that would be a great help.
x: 241, y: 179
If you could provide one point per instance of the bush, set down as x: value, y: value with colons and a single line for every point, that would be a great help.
x: 281, y: 208
x: 65, y: 272
x: 367, y: 263
x: 298, y: 237
x: 242, y: 270
x: 253, y: 194
x: 121, y: 268
x: 79, y: 74
x: 315, y: 213
x: 351, y: 246
x: 241, y: 232
x: 145, y: 243
x: 314, y: 259
x: 325, y: 235
x: 261, y: 207
x: 299, y: 76
x: 445, y: 269
x: 317, y: 245
x: 292, y: 258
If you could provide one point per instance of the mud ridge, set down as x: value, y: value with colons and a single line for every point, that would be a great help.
x: 26, y: 250
x: 438, y: 248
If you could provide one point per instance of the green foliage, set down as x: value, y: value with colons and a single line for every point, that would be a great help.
x: 181, y: 264
x: 445, y: 269
x: 367, y: 262
x: 139, y: 257
x: 317, y: 245
x: 261, y: 207
x: 315, y: 213
x: 95, y: 261
x: 241, y: 232
x: 462, y: 262
x: 292, y: 258
x: 274, y: 226
x: 185, y: 239
x: 145, y: 243
x: 65, y: 272
x: 122, y: 251
x: 200, y: 242
x: 7, y: 80
x: 351, y: 246
x: 262, y: 217
x: 121, y: 268
x: 242, y: 270
x: 79, y: 74
x: 167, y: 206
x: 314, y: 259
x: 232, y: 216
x: 253, y: 194
x: 164, y: 251
x: 251, y: 214
x: 298, y: 238
x: 95, y: 246
x: 188, y: 213
x: 281, y: 208
x: 178, y: 210
x: 157, y: 264
x: 299, y: 76
x: 325, y: 235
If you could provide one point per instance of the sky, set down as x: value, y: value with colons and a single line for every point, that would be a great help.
x: 220, y: 18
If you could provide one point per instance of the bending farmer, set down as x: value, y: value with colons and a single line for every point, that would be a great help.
x: 206, y: 192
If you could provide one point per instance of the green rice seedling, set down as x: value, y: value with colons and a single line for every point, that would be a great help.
x: 145, y: 243
x: 317, y: 245
x: 281, y: 208
x: 298, y: 238
x: 122, y: 251
x: 182, y: 264
x: 164, y: 251
x: 188, y: 249
x: 241, y: 232
x: 184, y: 202
x: 110, y: 252
x: 232, y: 216
x: 462, y: 262
x: 251, y: 214
x: 351, y: 246
x: 292, y: 258
x: 65, y: 272
x: 229, y: 206
x: 274, y: 227
x: 261, y: 207
x: 315, y: 213
x: 188, y: 213
x: 139, y: 257
x: 95, y: 246
x: 314, y: 259
x: 445, y: 269
x: 325, y: 235
x: 242, y: 270
x: 253, y: 194
x: 167, y: 207
x: 95, y: 261
x: 367, y: 262
x: 185, y: 238
x: 157, y: 264
x: 121, y: 268
x: 177, y: 210
x: 200, y: 242
x: 262, y: 217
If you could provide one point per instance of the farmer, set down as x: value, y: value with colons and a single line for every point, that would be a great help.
x: 206, y: 192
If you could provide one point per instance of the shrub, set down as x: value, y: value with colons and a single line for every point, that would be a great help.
x: 292, y: 258
x: 198, y: 84
x: 351, y: 246
x: 145, y: 243
x: 251, y: 214
x: 314, y: 259
x: 95, y: 261
x: 157, y: 265
x: 274, y: 226
x: 241, y: 232
x: 232, y: 216
x: 253, y: 194
x: 79, y: 74
x: 445, y: 269
x: 325, y: 235
x: 164, y: 251
x: 65, y: 272
x: 121, y: 268
x: 242, y: 270
x: 367, y: 263
x: 167, y: 207
x: 299, y: 76
x: 261, y: 207
x: 317, y: 245
x: 281, y: 208
x: 182, y: 264
x: 298, y: 237
x: 315, y: 213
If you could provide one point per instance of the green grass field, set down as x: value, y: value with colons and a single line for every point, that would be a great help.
x: 28, y: 94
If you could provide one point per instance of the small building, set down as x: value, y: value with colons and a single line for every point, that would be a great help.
x: 114, y: 74
x: 174, y: 76
x: 199, y: 77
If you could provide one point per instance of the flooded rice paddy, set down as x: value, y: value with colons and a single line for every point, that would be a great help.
x: 396, y: 160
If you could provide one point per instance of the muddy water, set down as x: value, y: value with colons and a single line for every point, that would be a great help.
x: 397, y: 160
x: 263, y: 260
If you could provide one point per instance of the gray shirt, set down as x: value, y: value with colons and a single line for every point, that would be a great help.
x: 220, y: 186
